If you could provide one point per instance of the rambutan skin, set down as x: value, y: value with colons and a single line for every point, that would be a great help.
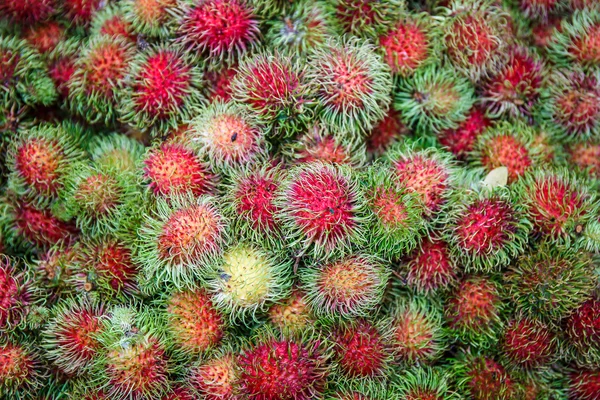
x: 482, y: 378
x: 429, y: 268
x: 461, y: 140
x: 217, y: 377
x: 528, y: 343
x: 577, y: 40
x: 21, y: 372
x: 27, y: 11
x: 16, y: 294
x: 583, y: 332
x: 366, y: 18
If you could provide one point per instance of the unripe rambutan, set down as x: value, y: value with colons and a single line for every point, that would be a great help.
x: 116, y: 151
x: 583, y: 332
x: 20, y: 371
x: 514, y: 90
x: 222, y: 30
x: 276, y: 89
x: 578, y: 40
x: 417, y: 332
x: 411, y: 44
x: 365, y: 17
x: 586, y: 157
x: 111, y: 21
x: 69, y: 337
x: 172, y: 168
x: 61, y: 64
x: 194, y: 324
x: 358, y: 389
x: 44, y: 37
x: 461, y: 140
x: 397, y: 214
x: 486, y: 227
x: 362, y: 348
x: 178, y: 239
x: 352, y: 86
x: 292, y: 313
x: 473, y: 311
x: 585, y: 385
x: 216, y: 378
x: 433, y: 99
x: 424, y: 383
x: 480, y: 377
x: 81, y: 12
x: 151, y: 18
x: 248, y: 278
x: 476, y: 36
x: 426, y: 172
x: 528, y: 343
x: 386, y: 133
x: 322, y: 209
x: 165, y: 89
x: 282, y: 368
x: 16, y: 294
x: 347, y: 287
x: 95, y: 88
x: 27, y: 12
x: 227, y: 134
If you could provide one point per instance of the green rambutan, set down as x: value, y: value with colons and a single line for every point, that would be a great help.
x: 480, y: 377
x: 577, y: 41
x: 227, y: 134
x: 164, y: 90
x: 116, y: 151
x: 433, y: 99
x: 424, y: 383
x: 215, y: 378
x: 358, y: 389
x: 352, y: 86
x: 585, y: 384
x: 550, y: 283
x: 291, y: 313
x: 221, y: 30
x: 150, y: 18
x: 322, y: 209
x: 96, y: 86
x: 179, y: 239
x: 528, y: 344
x: 367, y: 18
x: 348, y: 287
x: 21, y: 372
x: 27, y: 12
x: 397, y: 214
x: 583, y: 332
x: 53, y: 268
x: 16, y: 294
x: 69, y: 339
x: 385, y: 134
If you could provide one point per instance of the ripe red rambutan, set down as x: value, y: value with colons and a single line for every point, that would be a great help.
x: 583, y: 332
x: 386, y: 133
x: 219, y: 83
x: 110, y: 21
x: 528, y: 343
x: 585, y: 385
x: 45, y: 37
x: 216, y: 378
x: 20, y: 371
x: 480, y: 377
x: 365, y: 17
x: 540, y: 9
x: 179, y: 392
x: 27, y: 12
x: 81, y: 12
x: 151, y: 18
x: 61, y: 64
x: 429, y: 268
x: 578, y: 40
x: 292, y: 313
x: 586, y: 157
x: 16, y: 294
x: 461, y: 140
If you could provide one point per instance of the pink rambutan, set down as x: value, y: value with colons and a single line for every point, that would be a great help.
x: 528, y: 343
x: 216, y: 378
x: 430, y: 268
x: 461, y: 140
x: 219, y: 83
x: 16, y: 294
x: 584, y: 385
x: 27, y: 11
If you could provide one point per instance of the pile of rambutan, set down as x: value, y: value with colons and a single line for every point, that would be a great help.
x: 299, y: 200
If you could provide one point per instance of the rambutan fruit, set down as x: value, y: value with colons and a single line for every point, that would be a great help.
x: 515, y: 89
x: 560, y: 205
x: 352, y: 86
x: 550, y: 283
x: 250, y: 202
x: 16, y: 294
x: 215, y: 378
x: 282, y: 367
x: 570, y: 106
x: 426, y: 172
x: 507, y: 144
x: 367, y: 18
x: 194, y: 324
x: 27, y: 12
x: 473, y: 311
x: 221, y: 30
x: 583, y: 332
x: 96, y: 86
x: 486, y: 227
x: 541, y: 9
x: 480, y: 377
x: 578, y: 40
x: 53, y: 268
x: 178, y: 239
x: 219, y: 83
x: 385, y: 134
x: 348, y: 287
x: 411, y: 44
x: 111, y: 21
x: 116, y: 151
x: 528, y: 343
x: 247, y: 278
x: 417, y: 333
x: 61, y: 64
x: 23, y: 74
x: 172, y: 168
x: 362, y: 348
x: 39, y: 160
x: 433, y: 99
x: 165, y: 89
x: 424, y: 383
x: 585, y: 385
x: 291, y: 313
x: 461, y: 140
x: 21, y: 372
x: 476, y: 36
x: 150, y: 18
x: 80, y: 12
x: 397, y: 214
x: 275, y: 87
x: 44, y: 37
x: 227, y: 134
x: 69, y: 338
x: 306, y: 26
x: 585, y: 156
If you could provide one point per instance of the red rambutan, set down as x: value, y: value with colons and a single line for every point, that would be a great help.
x: 528, y: 343
x: 365, y: 17
x: 586, y: 157
x: 110, y: 21
x: 45, y: 37
x: 27, y: 11
x: 61, y: 64
x: 578, y: 40
x: 540, y: 9
x: 219, y: 83
x: 585, y: 385
x: 16, y: 295
x: 429, y: 268
x: 292, y: 313
x: 386, y: 133
x: 583, y: 331
x: 461, y: 140
x: 81, y: 12
x: 482, y: 378
x: 20, y: 371
x: 151, y: 18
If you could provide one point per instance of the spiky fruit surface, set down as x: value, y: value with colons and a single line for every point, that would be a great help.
x: 179, y: 239
x: 69, y: 336
x: 116, y: 151
x: 424, y: 383
x: 95, y: 88
x: 481, y: 377
x: 586, y: 157
x: 386, y: 133
x: 578, y: 40
x: 461, y: 140
x: 362, y: 348
x: 397, y: 220
x: 223, y: 30
x: 365, y: 17
x: 540, y: 9
x: 428, y: 173
x: 411, y: 44
x: 281, y: 369
x: 151, y: 18
x: 27, y: 11
x: 528, y: 343
x: 506, y: 144
x: 172, y: 168
x: 322, y: 209
x: 292, y: 313
x: 216, y: 379
x: 19, y: 371
x: 194, y: 322
x: 486, y: 228
x: 61, y: 64
x: 110, y: 21
x: 347, y: 287
x: 276, y: 89
x: 476, y: 36
x: 219, y: 83
x: 53, y: 269
x: 80, y: 12
x: 228, y: 134
x: 16, y: 295
x: 352, y: 86
x: 249, y: 277
x: 585, y: 385
x: 429, y: 268
x: 163, y: 91
x: 44, y: 37
x: 583, y: 331
x: 433, y: 99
